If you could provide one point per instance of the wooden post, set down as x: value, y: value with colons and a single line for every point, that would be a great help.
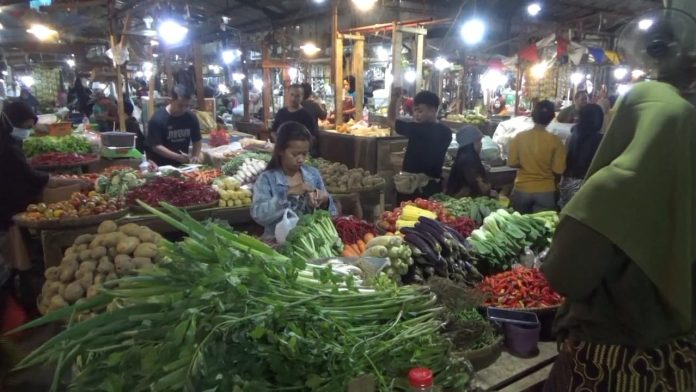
x: 359, y: 72
x: 419, y: 61
x: 151, y: 87
x: 198, y: 68
x: 287, y: 81
x: 168, y: 72
x: 338, y: 75
x: 245, y: 86
x: 518, y: 88
x: 397, y: 39
x: 265, y: 56
x: 119, y: 75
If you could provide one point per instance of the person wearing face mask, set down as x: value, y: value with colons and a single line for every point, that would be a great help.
x: 295, y: 112
x: 468, y: 177
x: 172, y: 130
x: 623, y: 255
x: 570, y: 114
x: 287, y: 183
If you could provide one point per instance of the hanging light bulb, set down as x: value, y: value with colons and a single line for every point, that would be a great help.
x: 410, y: 76
x: 172, y: 32
x: 539, y: 70
x: 620, y: 73
x: 310, y: 49
x: 473, y: 31
x: 442, y: 64
x: 42, y: 32
x: 364, y: 5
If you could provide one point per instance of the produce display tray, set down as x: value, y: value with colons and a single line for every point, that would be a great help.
x: 66, y: 223
x: 485, y: 356
x: 86, y: 162
x: 140, y: 210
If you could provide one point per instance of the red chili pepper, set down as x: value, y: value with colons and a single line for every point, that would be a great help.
x: 519, y: 287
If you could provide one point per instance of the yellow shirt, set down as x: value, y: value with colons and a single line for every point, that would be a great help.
x: 540, y: 156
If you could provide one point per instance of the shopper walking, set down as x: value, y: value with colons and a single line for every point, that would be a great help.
x: 581, y: 148
x: 540, y: 157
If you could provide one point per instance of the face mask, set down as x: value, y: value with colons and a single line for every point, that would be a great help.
x: 21, y: 133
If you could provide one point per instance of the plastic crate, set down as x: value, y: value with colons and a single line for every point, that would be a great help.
x: 118, y: 139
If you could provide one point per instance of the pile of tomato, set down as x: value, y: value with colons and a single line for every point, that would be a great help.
x: 79, y: 205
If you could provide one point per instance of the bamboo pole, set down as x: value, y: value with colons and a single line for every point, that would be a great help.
x: 359, y: 72
x: 245, y: 86
x: 151, y: 86
x: 198, y: 69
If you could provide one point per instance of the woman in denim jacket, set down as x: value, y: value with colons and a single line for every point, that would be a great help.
x: 287, y: 183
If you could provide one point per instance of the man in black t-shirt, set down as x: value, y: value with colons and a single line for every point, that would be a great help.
x: 428, y: 140
x: 172, y: 130
x: 295, y: 112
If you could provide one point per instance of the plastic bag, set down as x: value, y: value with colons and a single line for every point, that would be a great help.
x: 285, y: 225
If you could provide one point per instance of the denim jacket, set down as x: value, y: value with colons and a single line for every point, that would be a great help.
x: 271, y: 197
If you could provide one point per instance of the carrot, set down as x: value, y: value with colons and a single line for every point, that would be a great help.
x: 361, y: 246
x: 368, y: 237
x: 356, y: 249
x: 348, y: 251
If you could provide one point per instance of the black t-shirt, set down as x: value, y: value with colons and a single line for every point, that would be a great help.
x: 427, y: 146
x: 314, y: 109
x: 301, y: 116
x: 174, y: 133
x: 21, y: 185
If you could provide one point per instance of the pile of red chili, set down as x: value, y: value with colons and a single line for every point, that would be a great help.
x: 176, y: 191
x: 352, y: 229
x: 464, y: 225
x: 60, y: 159
x: 519, y: 288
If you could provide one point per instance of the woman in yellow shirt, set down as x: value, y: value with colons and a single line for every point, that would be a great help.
x: 541, y: 158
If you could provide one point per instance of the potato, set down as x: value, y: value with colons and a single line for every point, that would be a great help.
x: 99, y: 279
x: 87, y: 266
x: 112, y: 252
x: 93, y: 290
x: 81, y: 247
x: 124, y: 266
x: 84, y: 239
x: 98, y: 252
x: 73, y: 292
x: 130, y: 229
x: 145, y: 250
x: 49, y: 289
x: 127, y: 246
x: 86, y: 280
x: 107, y: 226
x: 57, y: 302
x: 52, y: 273
x: 71, y: 251
x: 61, y: 288
x: 67, y: 273
x: 112, y: 239
x: 111, y: 276
x: 85, y: 255
x: 105, y: 266
x: 142, y: 263
x: 147, y: 235
x: 70, y: 258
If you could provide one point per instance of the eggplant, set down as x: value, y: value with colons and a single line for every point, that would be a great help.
x: 433, y: 223
x: 455, y: 234
x: 428, y: 272
x: 473, y: 271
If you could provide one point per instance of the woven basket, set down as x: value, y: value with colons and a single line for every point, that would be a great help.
x: 485, y: 356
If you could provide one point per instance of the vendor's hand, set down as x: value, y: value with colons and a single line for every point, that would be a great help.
x: 183, y: 158
x: 301, y: 190
x: 153, y: 166
x: 318, y: 198
x: 195, y: 159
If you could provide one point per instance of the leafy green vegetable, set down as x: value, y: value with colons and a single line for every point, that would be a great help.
x: 33, y: 146
x: 225, y: 312
x: 118, y: 182
x: 474, y: 208
x: 314, y: 237
x: 232, y: 166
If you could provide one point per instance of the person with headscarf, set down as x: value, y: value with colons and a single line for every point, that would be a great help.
x: 349, y: 97
x: 580, y: 150
x: 624, y: 253
x: 468, y: 176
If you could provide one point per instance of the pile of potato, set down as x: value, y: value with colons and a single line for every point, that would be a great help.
x: 339, y: 179
x: 95, y: 259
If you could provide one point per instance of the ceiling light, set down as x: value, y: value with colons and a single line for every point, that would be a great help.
x: 637, y: 73
x: 382, y: 53
x: 410, y: 76
x: 172, y: 32
x: 620, y: 73
x: 318, y: 1
x: 310, y: 49
x: 645, y: 24
x: 576, y: 78
x: 473, y: 31
x: 27, y: 80
x: 538, y: 70
x: 364, y: 5
x: 42, y: 32
x: 534, y: 9
x: 70, y: 62
x: 441, y: 64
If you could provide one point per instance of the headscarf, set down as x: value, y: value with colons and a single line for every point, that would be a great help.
x: 468, y: 135
x: 14, y: 114
x: 640, y: 192
x: 584, y: 140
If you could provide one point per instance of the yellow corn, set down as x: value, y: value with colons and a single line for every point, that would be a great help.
x: 412, y: 213
x: 405, y: 223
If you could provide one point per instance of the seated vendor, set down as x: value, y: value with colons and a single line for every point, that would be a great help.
x: 468, y: 177
x: 287, y: 183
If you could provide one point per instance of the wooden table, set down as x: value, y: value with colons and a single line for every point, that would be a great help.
x: 54, y: 242
x: 513, y: 374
